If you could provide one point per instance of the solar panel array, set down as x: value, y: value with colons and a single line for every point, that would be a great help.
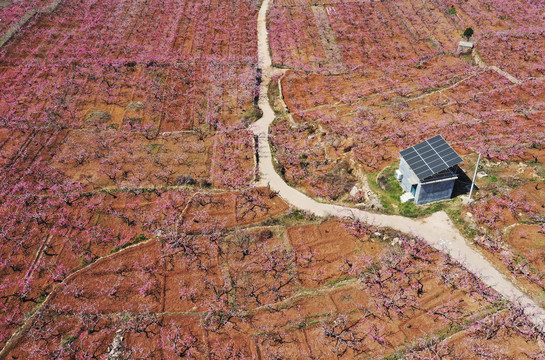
x: 430, y: 157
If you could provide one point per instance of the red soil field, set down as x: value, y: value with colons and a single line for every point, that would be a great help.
x: 92, y: 227
x: 128, y: 160
x: 168, y: 315
x: 13, y: 12
x: 194, y: 70
x: 385, y: 35
x: 127, y: 192
x: 109, y: 158
x: 91, y: 107
x: 481, y: 111
x: 155, y: 98
x: 510, y: 228
x: 398, y: 71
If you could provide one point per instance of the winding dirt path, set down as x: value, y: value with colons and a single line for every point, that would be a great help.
x: 437, y: 230
x: 480, y: 63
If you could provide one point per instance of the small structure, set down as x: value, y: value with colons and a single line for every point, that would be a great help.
x: 427, y: 171
x: 465, y: 47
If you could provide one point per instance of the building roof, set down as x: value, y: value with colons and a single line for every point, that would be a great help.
x: 430, y: 157
x: 465, y: 44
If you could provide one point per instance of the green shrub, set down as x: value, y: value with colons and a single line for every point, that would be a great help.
x: 136, y: 240
x: 68, y: 340
x: 468, y: 33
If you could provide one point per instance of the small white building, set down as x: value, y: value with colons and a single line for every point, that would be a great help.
x: 465, y: 47
x: 427, y: 171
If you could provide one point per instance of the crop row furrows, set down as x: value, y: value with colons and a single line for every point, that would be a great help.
x: 32, y: 316
x: 299, y: 3
x: 297, y: 36
x: 6, y: 3
x: 430, y: 22
x: 387, y: 20
x: 206, y: 29
x: 445, y: 10
x: 378, y: 23
x: 310, y: 32
x: 129, y: 16
x: 184, y: 29
x: 408, y: 22
x: 110, y: 92
x: 22, y: 149
x: 327, y: 37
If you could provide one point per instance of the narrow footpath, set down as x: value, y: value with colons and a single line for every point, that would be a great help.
x: 437, y: 230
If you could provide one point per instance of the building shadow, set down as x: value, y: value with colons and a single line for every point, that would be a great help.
x: 463, y: 184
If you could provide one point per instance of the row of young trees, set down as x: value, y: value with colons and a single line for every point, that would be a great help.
x: 54, y: 72
x: 53, y: 229
x: 419, y: 77
x: 389, y: 33
x: 193, y: 71
x: 494, y: 213
x: 372, y: 132
x: 378, y: 35
x: 127, y: 32
x: 38, y: 200
x: 159, y: 98
x: 130, y: 160
x: 14, y: 12
x: 245, y: 269
x: 518, y: 51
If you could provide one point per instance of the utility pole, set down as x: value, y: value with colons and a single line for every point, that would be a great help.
x: 474, y: 176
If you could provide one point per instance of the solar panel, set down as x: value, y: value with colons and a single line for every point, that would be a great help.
x: 430, y: 157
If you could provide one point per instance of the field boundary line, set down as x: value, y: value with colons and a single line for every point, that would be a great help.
x: 15, y: 28
x: 19, y: 332
x: 482, y: 64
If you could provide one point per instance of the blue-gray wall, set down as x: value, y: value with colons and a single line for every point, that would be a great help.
x: 407, y: 174
x: 426, y: 193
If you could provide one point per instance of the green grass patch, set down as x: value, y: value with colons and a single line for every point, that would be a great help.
x: 298, y: 214
x: 468, y: 58
x: 295, y: 217
x: 155, y: 148
x: 274, y: 90
x: 310, y: 320
x: 85, y: 261
x: 251, y: 115
x: 388, y: 189
x: 132, y: 121
x: 339, y: 280
x: 433, y: 43
x: 454, y: 212
x: 275, y: 97
x: 390, y: 192
x: 68, y: 340
x: 409, y: 209
x: 136, y: 240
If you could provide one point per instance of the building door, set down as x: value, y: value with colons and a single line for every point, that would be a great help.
x: 413, y: 189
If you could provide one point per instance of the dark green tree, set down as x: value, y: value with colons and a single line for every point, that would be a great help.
x: 468, y: 33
